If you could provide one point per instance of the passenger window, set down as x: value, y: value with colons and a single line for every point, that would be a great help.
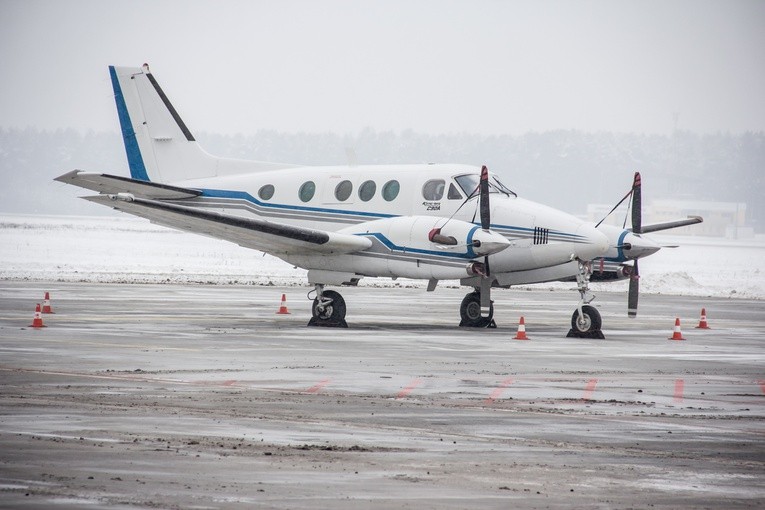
x: 453, y: 193
x: 390, y: 190
x: 367, y: 190
x: 266, y: 192
x: 343, y: 191
x: 307, y: 190
x: 433, y: 190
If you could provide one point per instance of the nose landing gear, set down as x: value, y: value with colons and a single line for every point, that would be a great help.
x: 586, y: 321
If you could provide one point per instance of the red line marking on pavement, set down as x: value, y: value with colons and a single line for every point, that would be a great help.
x: 412, y: 385
x: 317, y: 387
x: 590, y: 389
x: 679, y: 388
x: 762, y: 385
x: 497, y: 392
x: 230, y: 382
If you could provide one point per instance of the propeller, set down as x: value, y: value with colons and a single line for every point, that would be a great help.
x: 637, y: 228
x: 483, y: 189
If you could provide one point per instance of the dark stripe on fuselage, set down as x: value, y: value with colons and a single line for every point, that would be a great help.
x: 241, y: 200
x: 234, y: 221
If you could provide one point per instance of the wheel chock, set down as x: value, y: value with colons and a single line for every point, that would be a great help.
x: 314, y: 322
x: 598, y: 334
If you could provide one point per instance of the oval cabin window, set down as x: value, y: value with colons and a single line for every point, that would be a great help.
x: 343, y: 191
x: 367, y: 191
x: 306, y: 191
x: 390, y: 190
x: 433, y: 189
x: 266, y: 192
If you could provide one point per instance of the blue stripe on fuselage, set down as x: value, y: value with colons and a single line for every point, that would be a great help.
x: 243, y: 195
x: 405, y: 249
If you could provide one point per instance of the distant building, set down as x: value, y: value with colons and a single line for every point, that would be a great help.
x: 721, y: 219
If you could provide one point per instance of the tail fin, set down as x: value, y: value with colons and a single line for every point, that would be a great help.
x: 159, y: 146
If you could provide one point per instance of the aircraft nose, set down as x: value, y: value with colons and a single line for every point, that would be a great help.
x: 595, y: 243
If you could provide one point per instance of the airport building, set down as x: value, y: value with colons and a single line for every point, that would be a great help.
x: 721, y: 219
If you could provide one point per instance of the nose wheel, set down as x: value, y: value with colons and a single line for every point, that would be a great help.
x: 586, y: 321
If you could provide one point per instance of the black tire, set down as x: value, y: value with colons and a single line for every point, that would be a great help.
x: 591, y: 320
x: 470, y: 312
x: 334, y: 312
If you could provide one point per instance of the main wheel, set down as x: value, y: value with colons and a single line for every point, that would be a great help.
x: 470, y: 311
x: 589, y: 322
x: 332, y: 312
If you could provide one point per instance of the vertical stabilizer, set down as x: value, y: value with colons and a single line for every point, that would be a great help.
x: 158, y: 143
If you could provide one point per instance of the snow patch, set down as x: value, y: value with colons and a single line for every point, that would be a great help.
x: 124, y: 249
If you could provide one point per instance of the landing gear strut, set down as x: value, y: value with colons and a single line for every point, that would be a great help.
x: 470, y: 312
x: 328, y: 309
x: 586, y: 321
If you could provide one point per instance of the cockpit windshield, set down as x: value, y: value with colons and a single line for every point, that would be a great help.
x: 469, y: 184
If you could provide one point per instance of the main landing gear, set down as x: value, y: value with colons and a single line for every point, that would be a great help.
x: 586, y: 321
x: 328, y: 309
x: 470, y: 312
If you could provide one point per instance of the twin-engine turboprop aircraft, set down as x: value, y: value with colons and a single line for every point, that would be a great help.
x: 343, y: 223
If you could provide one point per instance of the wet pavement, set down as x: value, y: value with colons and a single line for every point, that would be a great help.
x: 193, y: 396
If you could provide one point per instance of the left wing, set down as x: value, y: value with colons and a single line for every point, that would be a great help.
x: 163, y: 204
x: 274, y: 238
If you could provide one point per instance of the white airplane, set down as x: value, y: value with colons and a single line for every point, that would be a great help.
x: 343, y: 223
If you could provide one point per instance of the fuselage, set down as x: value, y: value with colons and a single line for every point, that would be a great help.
x: 364, y: 199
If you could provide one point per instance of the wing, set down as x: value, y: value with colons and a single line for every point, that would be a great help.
x: 275, y: 238
x: 105, y: 183
x: 691, y: 220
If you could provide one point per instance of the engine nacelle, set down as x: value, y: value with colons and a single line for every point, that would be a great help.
x: 603, y: 271
x: 431, y: 247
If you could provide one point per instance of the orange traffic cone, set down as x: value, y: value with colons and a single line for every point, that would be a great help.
x: 46, y: 304
x: 283, y: 308
x: 37, y: 322
x: 677, y: 335
x: 703, y: 322
x: 521, y: 335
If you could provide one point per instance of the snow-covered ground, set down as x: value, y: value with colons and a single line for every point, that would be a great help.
x: 126, y: 249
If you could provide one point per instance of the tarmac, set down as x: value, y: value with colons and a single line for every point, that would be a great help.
x: 199, y: 396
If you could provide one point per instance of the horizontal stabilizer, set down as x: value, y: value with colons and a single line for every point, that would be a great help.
x: 113, y: 184
x: 656, y: 227
x: 274, y: 238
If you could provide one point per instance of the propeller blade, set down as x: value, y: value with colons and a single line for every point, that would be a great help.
x: 483, y: 188
x: 637, y: 206
x: 632, y: 297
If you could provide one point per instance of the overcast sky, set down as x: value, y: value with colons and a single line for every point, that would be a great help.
x: 485, y: 67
